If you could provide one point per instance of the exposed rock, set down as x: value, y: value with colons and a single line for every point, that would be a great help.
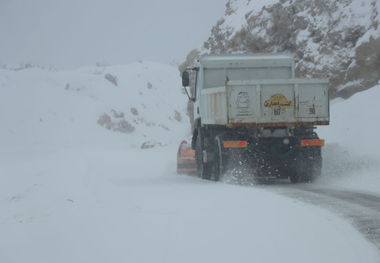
x: 150, y: 144
x: 177, y: 116
x: 124, y: 127
x: 105, y: 121
x: 117, y: 114
x: 164, y: 127
x: 111, y: 78
x: 328, y: 39
x: 134, y: 111
x: 117, y: 123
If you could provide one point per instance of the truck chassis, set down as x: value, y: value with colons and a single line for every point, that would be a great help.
x: 218, y: 151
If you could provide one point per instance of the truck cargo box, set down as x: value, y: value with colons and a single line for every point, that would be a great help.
x: 276, y: 102
x: 258, y: 90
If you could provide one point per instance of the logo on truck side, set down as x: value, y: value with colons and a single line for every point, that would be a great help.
x: 242, y: 103
x: 242, y: 100
x: 278, y: 101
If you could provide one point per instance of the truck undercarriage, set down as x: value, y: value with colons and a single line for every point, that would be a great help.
x: 218, y: 151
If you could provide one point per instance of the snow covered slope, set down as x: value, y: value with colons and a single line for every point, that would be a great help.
x: 335, y: 39
x: 352, y: 154
x: 138, y: 105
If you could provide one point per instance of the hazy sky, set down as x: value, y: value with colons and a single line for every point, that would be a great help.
x: 71, y: 33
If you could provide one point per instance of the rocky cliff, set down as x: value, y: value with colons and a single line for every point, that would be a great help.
x: 339, y: 40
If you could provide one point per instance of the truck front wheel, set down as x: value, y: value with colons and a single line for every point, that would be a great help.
x: 219, y: 159
x: 203, y: 168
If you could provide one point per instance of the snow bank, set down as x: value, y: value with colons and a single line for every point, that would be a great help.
x: 352, y: 156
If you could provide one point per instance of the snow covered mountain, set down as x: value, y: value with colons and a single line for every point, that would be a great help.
x: 138, y: 105
x: 335, y: 39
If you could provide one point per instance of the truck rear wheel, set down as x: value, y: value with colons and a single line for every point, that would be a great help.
x: 295, y: 177
x: 219, y: 159
x: 203, y: 168
x: 307, y: 166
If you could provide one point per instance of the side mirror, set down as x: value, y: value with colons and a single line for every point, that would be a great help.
x: 185, y: 79
x: 186, y: 83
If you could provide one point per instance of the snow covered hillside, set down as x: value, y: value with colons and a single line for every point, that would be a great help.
x: 138, y: 105
x: 335, y: 39
x: 352, y: 156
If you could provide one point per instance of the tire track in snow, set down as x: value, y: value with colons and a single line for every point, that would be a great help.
x: 361, y: 209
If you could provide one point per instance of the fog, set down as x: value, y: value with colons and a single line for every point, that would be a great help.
x: 72, y: 33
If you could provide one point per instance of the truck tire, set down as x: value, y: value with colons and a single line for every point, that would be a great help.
x: 219, y: 159
x: 295, y: 177
x: 203, y: 168
x: 307, y: 168
x: 302, y: 171
x: 315, y: 165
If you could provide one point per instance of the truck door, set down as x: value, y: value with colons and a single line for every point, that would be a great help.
x: 197, y: 96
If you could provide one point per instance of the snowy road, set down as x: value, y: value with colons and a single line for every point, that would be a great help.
x: 362, y: 209
x: 108, y: 205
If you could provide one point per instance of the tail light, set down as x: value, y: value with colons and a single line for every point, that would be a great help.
x: 313, y: 142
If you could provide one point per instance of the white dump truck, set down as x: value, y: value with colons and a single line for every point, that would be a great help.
x: 250, y: 111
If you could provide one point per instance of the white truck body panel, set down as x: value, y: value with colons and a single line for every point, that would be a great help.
x: 267, y: 103
x: 258, y: 90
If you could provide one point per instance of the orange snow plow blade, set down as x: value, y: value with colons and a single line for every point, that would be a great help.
x: 186, y: 159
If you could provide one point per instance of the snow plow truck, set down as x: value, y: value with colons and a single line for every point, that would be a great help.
x: 251, y: 113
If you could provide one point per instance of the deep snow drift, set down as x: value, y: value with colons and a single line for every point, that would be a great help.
x: 351, y: 157
x: 78, y: 186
